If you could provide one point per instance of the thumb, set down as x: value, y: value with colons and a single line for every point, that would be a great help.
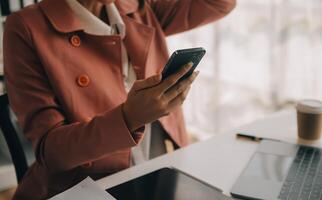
x: 147, y: 83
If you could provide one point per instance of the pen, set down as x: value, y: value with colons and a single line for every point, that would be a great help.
x: 253, y: 138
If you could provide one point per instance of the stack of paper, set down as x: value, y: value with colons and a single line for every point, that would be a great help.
x: 85, y: 190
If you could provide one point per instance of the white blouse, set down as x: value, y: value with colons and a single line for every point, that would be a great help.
x: 94, y: 25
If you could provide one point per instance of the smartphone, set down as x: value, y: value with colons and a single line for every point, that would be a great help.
x: 182, y: 57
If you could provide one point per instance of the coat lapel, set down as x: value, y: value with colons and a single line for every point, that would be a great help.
x: 138, y: 41
x: 61, y: 16
x: 138, y: 36
x: 63, y: 19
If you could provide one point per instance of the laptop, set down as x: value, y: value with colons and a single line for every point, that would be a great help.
x: 166, y: 184
x: 280, y: 170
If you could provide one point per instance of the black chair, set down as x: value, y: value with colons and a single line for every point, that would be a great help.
x: 17, y: 151
x: 6, y: 9
x: 11, y: 136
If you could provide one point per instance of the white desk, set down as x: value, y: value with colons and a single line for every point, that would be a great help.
x: 218, y: 161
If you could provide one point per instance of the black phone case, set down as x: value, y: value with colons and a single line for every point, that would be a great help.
x: 182, y: 57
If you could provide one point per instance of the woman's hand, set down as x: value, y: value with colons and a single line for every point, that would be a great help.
x: 151, y: 98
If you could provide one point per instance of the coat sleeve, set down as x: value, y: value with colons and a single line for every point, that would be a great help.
x: 58, y: 145
x: 176, y: 16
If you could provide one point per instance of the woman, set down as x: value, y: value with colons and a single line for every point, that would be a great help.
x: 76, y: 74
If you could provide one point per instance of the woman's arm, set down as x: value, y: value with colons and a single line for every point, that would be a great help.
x: 176, y: 16
x: 58, y: 145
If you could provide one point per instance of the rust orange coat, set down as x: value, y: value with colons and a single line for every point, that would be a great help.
x: 67, y: 93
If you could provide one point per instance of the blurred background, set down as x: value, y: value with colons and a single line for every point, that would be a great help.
x: 261, y: 58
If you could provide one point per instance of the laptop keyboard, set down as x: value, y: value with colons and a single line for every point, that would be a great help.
x: 304, y: 179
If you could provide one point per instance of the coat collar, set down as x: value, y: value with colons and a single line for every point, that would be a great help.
x: 64, y: 20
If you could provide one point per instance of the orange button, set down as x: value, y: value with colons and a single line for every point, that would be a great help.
x: 83, y: 80
x: 75, y: 40
x: 87, y: 165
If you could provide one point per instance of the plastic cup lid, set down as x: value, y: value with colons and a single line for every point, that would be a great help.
x: 310, y: 106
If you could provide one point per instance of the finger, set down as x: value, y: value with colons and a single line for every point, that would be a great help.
x: 179, y: 99
x: 172, y: 80
x: 180, y: 87
x: 147, y: 83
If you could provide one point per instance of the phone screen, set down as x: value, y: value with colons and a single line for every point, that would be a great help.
x: 182, y: 57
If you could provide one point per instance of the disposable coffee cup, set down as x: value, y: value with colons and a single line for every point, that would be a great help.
x: 309, y: 119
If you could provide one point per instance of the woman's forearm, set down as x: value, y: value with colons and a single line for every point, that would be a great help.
x: 71, y: 145
x: 181, y: 15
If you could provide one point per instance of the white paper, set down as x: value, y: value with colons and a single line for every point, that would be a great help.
x: 85, y: 190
